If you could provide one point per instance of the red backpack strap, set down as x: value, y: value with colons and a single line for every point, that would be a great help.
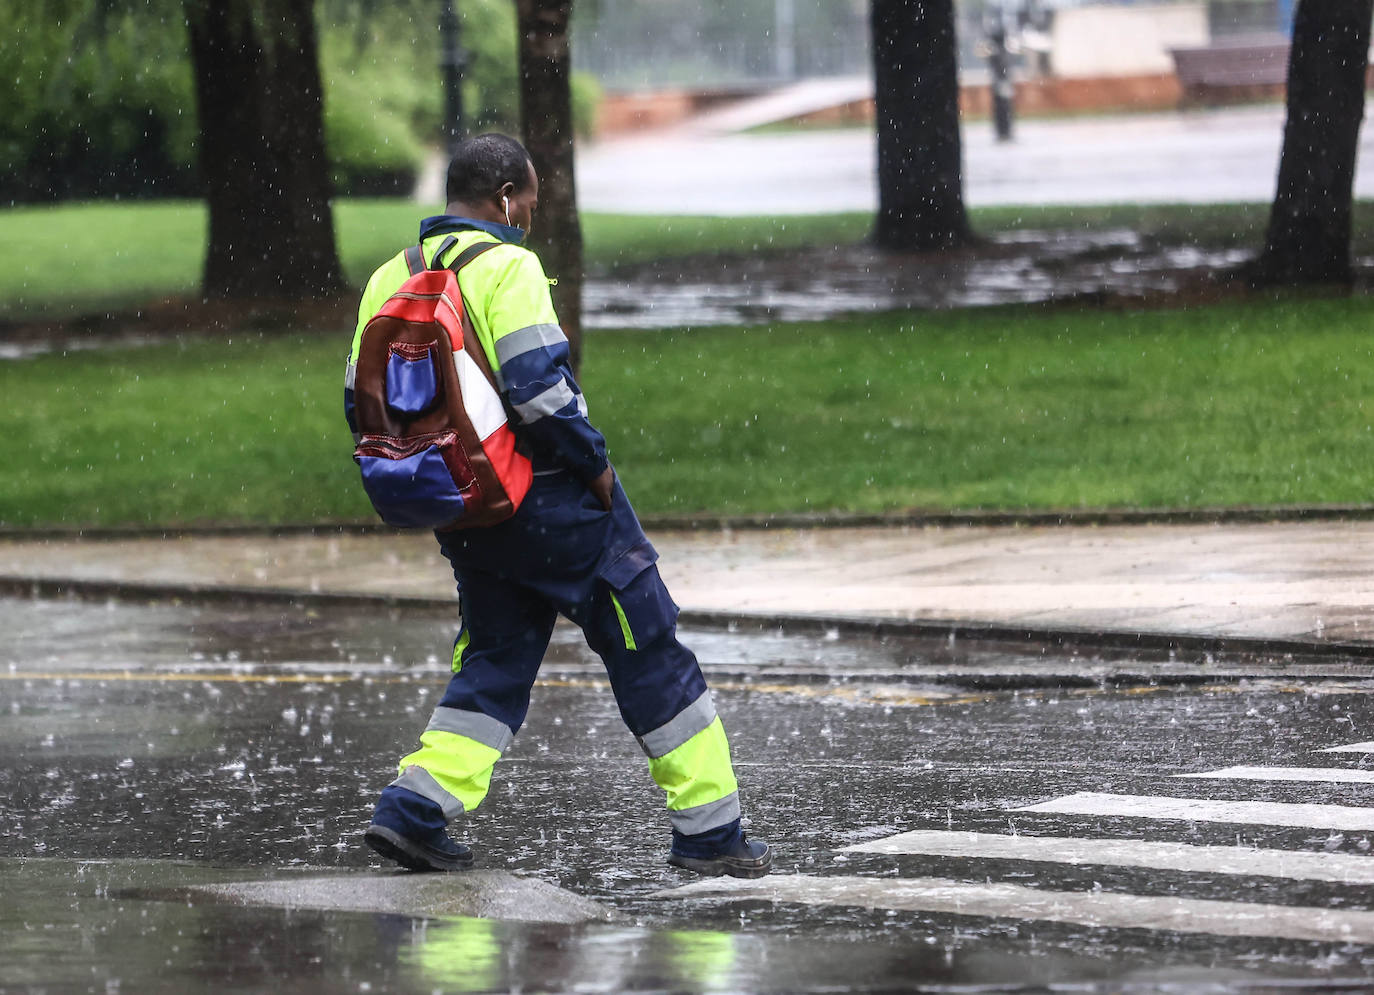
x: 415, y: 260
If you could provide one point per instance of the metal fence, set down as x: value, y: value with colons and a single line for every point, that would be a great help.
x: 653, y: 44
x: 642, y: 45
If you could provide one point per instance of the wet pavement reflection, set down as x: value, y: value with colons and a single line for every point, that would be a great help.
x: 231, y: 745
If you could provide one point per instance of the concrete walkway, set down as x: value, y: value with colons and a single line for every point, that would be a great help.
x: 1197, y: 157
x: 1294, y: 585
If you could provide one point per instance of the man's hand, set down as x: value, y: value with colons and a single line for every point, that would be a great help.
x: 601, y: 487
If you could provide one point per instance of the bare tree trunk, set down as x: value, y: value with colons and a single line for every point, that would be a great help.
x: 262, y: 157
x: 920, y: 161
x: 1308, y: 240
x: 546, y: 120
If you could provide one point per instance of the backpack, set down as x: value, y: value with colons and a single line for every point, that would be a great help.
x: 435, y: 448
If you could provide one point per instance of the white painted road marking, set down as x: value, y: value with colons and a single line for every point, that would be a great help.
x: 1343, y: 868
x: 1332, y: 775
x: 1357, y: 819
x: 1351, y: 748
x: 1003, y: 901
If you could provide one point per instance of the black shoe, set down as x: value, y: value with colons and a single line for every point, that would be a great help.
x: 439, y: 853
x: 745, y: 859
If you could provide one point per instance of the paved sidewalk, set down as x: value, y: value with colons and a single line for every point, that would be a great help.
x: 1301, y: 583
x: 1196, y: 157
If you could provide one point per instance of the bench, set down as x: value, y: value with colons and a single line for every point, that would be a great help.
x: 1235, y: 69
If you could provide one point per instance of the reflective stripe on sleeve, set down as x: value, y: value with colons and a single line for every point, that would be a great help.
x: 522, y: 340
x: 704, y: 818
x: 680, y: 728
x: 350, y: 376
x: 474, y: 725
x: 549, y: 402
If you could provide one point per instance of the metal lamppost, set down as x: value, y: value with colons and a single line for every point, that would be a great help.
x: 452, y: 61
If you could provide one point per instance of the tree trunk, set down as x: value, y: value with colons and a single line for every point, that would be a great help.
x: 546, y: 120
x: 262, y: 159
x: 920, y: 162
x: 1308, y: 240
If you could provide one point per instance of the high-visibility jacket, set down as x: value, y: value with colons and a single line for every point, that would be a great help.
x: 506, y: 294
x: 560, y: 553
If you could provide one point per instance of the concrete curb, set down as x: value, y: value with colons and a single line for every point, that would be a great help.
x: 1066, y: 637
x: 1242, y: 515
x: 999, y: 519
x: 211, y: 594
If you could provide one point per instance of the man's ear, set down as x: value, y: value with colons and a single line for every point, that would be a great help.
x: 506, y: 189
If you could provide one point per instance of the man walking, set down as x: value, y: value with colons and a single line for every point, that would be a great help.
x: 574, y: 547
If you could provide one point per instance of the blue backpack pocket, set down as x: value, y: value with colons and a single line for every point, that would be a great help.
x: 416, y: 484
x: 411, y: 384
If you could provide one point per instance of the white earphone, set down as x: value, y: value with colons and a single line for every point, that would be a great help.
x: 505, y: 202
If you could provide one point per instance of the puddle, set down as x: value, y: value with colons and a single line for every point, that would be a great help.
x: 1015, y: 267
x: 1019, y: 267
x: 66, y: 344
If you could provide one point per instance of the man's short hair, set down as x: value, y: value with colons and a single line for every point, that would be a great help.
x: 482, y: 165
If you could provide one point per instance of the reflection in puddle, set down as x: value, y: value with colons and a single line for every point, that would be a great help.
x: 1017, y: 267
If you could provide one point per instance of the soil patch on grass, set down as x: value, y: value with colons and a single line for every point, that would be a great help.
x: 1111, y: 267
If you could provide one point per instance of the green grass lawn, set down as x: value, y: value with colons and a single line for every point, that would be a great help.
x: 1012, y: 408
x: 80, y: 259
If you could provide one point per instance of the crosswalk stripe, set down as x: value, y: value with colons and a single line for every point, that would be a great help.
x: 1343, y: 868
x: 1331, y: 775
x: 1353, y: 818
x: 1350, y: 748
x: 1092, y: 908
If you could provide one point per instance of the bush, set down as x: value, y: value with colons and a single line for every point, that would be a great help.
x: 102, y: 100
x: 100, y: 104
x: 586, y: 100
x: 384, y: 100
x: 373, y: 106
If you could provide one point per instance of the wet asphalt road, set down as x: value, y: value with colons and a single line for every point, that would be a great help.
x: 237, y: 743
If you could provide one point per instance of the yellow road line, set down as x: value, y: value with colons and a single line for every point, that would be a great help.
x: 856, y: 693
x: 859, y: 694
x: 150, y: 676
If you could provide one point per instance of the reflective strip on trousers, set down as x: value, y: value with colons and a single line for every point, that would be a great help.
x: 420, y: 781
x: 460, y: 646
x: 626, y: 632
x: 680, y: 728
x: 484, y: 729
x: 704, y: 818
x: 451, y: 770
x: 699, y: 780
